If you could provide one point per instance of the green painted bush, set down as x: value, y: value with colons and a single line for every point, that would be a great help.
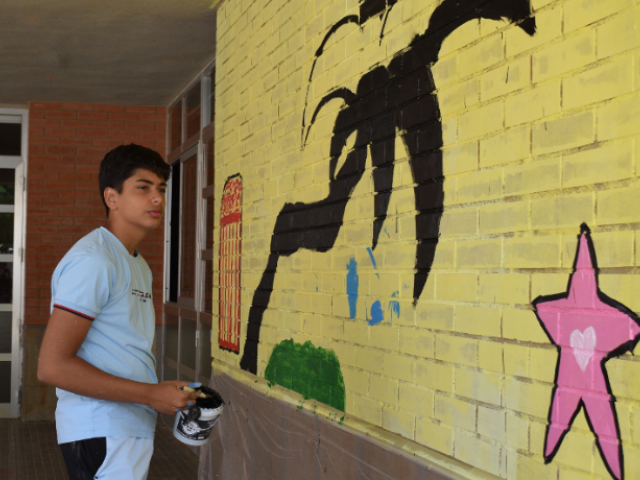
x: 310, y: 371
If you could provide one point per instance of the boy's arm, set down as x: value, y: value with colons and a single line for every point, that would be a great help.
x: 59, y: 365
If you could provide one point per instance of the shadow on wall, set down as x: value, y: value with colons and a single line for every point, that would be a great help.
x: 397, y: 98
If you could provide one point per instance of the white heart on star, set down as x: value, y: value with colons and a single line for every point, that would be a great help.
x: 583, y: 344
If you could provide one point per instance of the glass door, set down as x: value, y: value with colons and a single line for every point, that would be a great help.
x: 12, y: 168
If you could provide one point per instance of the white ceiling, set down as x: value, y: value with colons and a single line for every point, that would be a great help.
x: 131, y: 52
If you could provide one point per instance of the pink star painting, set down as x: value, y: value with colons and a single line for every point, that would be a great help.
x: 588, y: 329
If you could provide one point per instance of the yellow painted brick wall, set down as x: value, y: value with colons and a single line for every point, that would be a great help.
x: 541, y: 134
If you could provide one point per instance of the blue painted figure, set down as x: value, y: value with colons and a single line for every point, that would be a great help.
x: 352, y: 286
x: 377, y: 315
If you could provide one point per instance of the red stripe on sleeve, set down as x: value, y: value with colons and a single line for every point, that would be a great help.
x: 73, y: 311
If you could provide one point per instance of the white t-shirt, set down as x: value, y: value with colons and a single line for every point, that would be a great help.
x: 99, y: 280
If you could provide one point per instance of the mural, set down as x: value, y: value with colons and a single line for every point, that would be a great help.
x: 376, y: 312
x: 230, y: 258
x: 588, y: 328
x: 395, y: 99
x: 310, y: 371
x: 531, y: 120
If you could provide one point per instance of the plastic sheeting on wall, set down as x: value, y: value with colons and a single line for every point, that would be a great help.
x: 259, y: 437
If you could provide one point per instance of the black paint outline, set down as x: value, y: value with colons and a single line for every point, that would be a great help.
x: 397, y: 100
x: 625, y: 347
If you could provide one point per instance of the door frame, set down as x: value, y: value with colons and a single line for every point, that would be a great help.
x: 19, y: 163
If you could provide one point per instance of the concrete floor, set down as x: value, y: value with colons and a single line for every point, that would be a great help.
x: 29, y: 451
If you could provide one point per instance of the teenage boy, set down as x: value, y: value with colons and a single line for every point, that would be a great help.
x: 97, y: 346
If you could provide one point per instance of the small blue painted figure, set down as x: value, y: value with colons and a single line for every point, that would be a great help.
x: 394, y: 306
x: 377, y: 314
x: 352, y: 286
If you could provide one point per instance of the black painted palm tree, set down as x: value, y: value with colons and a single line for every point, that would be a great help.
x: 398, y: 98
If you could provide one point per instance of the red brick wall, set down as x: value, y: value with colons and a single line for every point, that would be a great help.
x: 67, y: 141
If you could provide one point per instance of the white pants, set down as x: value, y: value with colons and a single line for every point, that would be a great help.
x: 127, y: 459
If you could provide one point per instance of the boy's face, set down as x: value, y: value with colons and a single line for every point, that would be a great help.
x: 142, y: 201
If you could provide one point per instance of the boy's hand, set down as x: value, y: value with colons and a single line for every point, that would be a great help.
x: 168, y: 397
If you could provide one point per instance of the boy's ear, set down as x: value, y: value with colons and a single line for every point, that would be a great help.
x: 110, y: 196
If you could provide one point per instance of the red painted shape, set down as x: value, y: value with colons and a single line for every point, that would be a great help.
x: 230, y: 256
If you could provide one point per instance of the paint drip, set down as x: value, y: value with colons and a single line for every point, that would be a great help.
x: 373, y: 261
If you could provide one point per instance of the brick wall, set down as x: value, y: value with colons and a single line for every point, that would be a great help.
x: 537, y: 134
x: 67, y: 141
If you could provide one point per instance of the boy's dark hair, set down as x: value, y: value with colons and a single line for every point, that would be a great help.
x: 123, y: 161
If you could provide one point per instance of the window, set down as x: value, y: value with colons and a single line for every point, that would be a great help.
x: 188, y: 309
